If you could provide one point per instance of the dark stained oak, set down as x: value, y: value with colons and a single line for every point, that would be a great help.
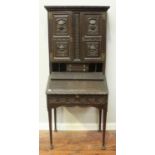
x: 100, y: 115
x: 50, y: 126
x: 77, y: 56
x: 55, y: 119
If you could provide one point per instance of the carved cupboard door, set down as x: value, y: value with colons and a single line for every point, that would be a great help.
x: 92, y: 38
x: 60, y: 36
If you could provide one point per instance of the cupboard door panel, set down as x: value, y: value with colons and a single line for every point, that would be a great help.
x: 60, y: 36
x: 92, y: 27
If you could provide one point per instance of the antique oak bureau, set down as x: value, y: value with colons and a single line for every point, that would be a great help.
x: 77, y: 53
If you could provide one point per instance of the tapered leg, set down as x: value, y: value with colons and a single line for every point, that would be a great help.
x: 100, y: 114
x: 55, y: 119
x: 104, y: 127
x: 50, y: 126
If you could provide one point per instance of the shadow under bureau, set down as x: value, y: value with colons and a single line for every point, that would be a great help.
x: 77, y: 54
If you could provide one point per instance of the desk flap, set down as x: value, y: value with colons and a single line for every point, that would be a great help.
x: 97, y: 87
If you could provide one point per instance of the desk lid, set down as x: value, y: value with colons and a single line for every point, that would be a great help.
x: 85, y: 85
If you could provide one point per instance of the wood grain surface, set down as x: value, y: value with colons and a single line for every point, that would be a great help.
x: 77, y: 143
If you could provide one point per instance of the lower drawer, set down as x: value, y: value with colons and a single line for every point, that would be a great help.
x: 77, y: 99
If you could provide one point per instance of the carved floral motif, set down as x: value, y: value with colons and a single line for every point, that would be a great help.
x: 61, y: 49
x: 61, y: 25
x: 92, y: 26
x: 92, y: 48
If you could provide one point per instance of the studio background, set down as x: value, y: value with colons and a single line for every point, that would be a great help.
x: 77, y: 118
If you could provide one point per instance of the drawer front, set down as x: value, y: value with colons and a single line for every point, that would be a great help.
x: 77, y: 67
x: 77, y: 99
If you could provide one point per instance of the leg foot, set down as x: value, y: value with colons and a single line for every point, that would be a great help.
x: 104, y: 127
x: 51, y: 147
x: 103, y: 148
x: 50, y: 126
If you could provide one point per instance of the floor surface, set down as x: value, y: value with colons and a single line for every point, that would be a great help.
x: 77, y: 143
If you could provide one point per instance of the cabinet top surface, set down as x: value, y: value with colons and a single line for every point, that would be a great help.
x: 96, y: 8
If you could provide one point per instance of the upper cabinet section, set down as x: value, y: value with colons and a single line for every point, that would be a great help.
x: 77, y: 34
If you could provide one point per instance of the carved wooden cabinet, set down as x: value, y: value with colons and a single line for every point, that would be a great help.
x: 77, y: 54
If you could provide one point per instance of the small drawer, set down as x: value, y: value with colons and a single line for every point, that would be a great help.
x: 77, y: 67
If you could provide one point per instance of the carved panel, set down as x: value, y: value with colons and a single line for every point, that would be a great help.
x: 61, y: 50
x: 92, y: 49
x: 62, y: 23
x: 92, y: 24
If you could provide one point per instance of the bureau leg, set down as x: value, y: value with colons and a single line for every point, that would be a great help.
x: 50, y: 126
x: 100, y: 114
x: 104, y: 127
x: 55, y: 120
